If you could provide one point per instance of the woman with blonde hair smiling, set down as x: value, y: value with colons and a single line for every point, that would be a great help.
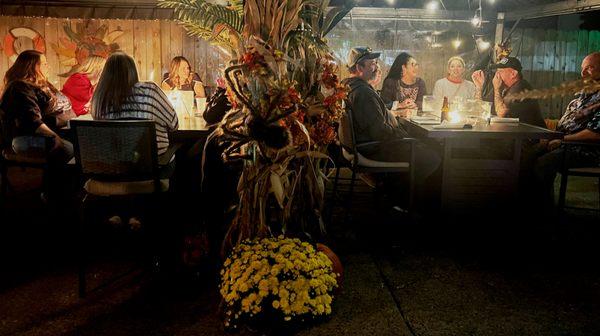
x: 181, y: 77
x: 79, y: 87
x: 454, y: 85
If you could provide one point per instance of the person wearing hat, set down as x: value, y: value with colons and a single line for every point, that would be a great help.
x: 374, y: 123
x: 509, y: 80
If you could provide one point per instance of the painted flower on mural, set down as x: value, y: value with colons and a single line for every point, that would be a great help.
x: 85, y: 39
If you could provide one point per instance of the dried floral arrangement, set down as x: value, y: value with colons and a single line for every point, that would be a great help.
x: 565, y: 89
x: 286, y: 99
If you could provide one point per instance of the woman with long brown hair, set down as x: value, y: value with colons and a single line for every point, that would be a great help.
x: 28, y: 109
x: 29, y: 104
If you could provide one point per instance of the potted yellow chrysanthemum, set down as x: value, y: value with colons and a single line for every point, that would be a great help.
x: 276, y: 280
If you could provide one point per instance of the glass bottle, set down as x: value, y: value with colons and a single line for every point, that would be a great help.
x: 445, y: 115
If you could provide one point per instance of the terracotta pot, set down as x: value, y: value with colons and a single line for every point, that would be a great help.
x: 337, y: 264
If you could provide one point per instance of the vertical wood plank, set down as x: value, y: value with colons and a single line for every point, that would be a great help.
x: 153, y: 50
x: 547, y: 74
x: 165, y: 46
x: 572, y: 68
x: 527, y: 54
x: 594, y: 41
x: 128, y: 37
x: 538, y: 64
x: 139, y: 48
x: 558, y: 75
x: 200, y: 58
x: 51, y: 34
x: 582, y: 45
x: 188, y: 49
x: 176, y: 48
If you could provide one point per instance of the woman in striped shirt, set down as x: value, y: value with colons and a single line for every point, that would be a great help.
x: 120, y: 95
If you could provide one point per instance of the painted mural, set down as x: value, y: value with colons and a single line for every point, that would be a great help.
x: 84, y: 39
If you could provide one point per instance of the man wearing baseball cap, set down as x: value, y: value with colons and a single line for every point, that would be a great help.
x: 374, y: 123
x: 509, y: 80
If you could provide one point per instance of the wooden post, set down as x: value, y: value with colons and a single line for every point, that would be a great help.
x: 499, y: 29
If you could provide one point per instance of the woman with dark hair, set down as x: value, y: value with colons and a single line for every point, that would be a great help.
x: 30, y: 105
x: 403, y: 85
x: 181, y: 77
x: 120, y: 95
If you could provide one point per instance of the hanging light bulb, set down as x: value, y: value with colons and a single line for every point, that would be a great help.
x: 476, y: 20
x: 457, y: 42
x: 432, y: 5
x: 481, y: 44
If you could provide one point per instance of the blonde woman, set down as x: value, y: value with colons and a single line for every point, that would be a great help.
x: 79, y: 87
x: 454, y: 85
x: 181, y: 77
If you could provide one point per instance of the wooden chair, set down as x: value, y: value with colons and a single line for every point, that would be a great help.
x: 593, y: 171
x: 359, y: 164
x: 119, y: 160
x: 8, y: 158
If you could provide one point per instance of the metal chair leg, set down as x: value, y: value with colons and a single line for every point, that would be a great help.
x: 599, y: 195
x: 3, y: 182
x: 563, y: 191
x: 336, y: 180
x: 82, y: 255
x: 350, y: 194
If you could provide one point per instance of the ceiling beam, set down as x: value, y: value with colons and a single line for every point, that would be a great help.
x: 411, y: 14
x: 552, y: 9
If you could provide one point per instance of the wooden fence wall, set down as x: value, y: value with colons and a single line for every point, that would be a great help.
x: 551, y: 57
x: 152, y: 43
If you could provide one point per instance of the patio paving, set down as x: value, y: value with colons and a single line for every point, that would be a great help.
x: 490, y: 278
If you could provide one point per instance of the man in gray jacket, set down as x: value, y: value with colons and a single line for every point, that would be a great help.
x: 373, y: 122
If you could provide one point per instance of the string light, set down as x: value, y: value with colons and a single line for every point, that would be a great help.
x: 476, y: 20
x: 432, y: 5
x: 457, y: 42
x: 482, y: 44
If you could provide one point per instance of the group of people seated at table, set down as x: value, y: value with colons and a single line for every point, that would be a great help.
x: 110, y: 89
x: 374, y: 121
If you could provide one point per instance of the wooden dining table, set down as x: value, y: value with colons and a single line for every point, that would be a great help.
x: 191, y: 128
x: 481, y: 165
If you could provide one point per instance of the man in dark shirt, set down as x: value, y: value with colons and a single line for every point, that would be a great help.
x: 373, y: 122
x: 509, y: 80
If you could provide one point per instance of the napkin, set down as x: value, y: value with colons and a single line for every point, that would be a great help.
x: 422, y: 118
x: 505, y: 120
x: 446, y: 125
x: 425, y: 121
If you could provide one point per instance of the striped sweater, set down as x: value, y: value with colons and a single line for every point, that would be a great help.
x: 149, y: 102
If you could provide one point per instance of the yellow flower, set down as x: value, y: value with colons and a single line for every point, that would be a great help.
x: 275, y: 304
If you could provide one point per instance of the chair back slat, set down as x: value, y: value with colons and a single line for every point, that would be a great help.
x: 346, y: 133
x: 116, y: 150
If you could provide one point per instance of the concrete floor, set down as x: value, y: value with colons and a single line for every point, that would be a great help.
x: 486, y: 277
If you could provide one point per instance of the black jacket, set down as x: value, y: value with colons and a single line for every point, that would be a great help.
x: 24, y: 106
x: 372, y: 121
